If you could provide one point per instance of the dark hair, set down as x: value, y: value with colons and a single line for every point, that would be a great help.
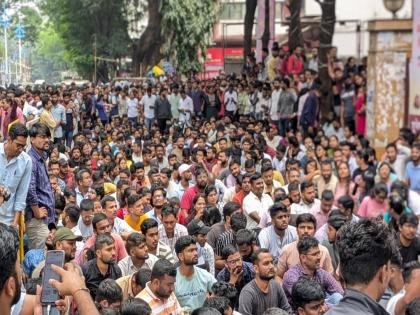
x: 346, y: 201
x: 238, y: 221
x: 336, y: 219
x: 305, y: 291
x: 294, y: 186
x: 135, y: 306
x: 380, y: 188
x: 73, y: 212
x: 219, y: 303
x: 255, y: 254
x: 413, y: 308
x: 229, y: 208
x: 86, y: 205
x: 133, y: 240
x: 147, y: 225
x: 276, y: 208
x: 142, y: 276
x: 229, y: 250
x: 161, y: 268
x: 106, y: 199
x: 110, y: 291
x: 9, y: 245
x: 132, y: 199
x: 255, y: 177
x: 306, y: 184
x: 397, y: 204
x: 59, y: 202
x: 227, y: 290
x: 18, y: 130
x: 410, y: 218
x: 327, y: 195
x: 183, y: 242
x: 39, y: 129
x: 206, y: 311
x: 211, y: 215
x: 306, y: 243
x: 363, y: 247
x: 103, y: 240
x: 408, y: 269
x: 305, y: 218
x: 98, y: 217
x: 79, y: 174
x: 169, y: 210
x: 245, y: 237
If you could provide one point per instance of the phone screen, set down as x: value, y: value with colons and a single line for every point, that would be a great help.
x: 49, y: 294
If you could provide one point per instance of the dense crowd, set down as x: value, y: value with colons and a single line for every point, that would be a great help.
x: 217, y: 196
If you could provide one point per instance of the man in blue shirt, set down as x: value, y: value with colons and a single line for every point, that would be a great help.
x: 412, y: 170
x: 40, y: 199
x: 15, y: 174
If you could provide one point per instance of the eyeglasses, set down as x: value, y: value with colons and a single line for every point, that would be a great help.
x: 234, y: 262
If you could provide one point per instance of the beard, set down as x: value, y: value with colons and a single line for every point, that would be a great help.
x: 17, y: 294
x: 191, y: 262
x: 109, y: 261
x: 267, y: 277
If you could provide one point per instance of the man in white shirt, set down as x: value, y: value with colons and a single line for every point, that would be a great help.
x: 148, y: 103
x: 275, y: 95
x: 231, y: 101
x: 109, y: 207
x: 256, y: 202
x: 138, y: 255
x: 397, y: 155
x: 308, y: 200
x: 186, y: 108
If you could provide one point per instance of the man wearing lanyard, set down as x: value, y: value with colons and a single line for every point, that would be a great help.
x: 40, y: 199
x: 15, y: 174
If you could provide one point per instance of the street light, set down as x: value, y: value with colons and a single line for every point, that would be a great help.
x: 393, y: 6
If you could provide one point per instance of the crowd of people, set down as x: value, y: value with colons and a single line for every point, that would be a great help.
x: 217, y: 196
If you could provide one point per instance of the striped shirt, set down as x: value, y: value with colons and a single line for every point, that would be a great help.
x: 159, y: 307
x: 179, y: 231
x: 227, y: 237
x: 164, y: 252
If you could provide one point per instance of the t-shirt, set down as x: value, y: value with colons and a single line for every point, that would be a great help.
x: 413, y: 175
x: 135, y: 225
x: 253, y: 301
x: 149, y: 105
x: 191, y: 292
x: 132, y: 110
x: 410, y: 253
x: 370, y: 208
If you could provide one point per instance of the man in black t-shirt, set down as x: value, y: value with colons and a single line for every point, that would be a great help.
x: 408, y: 242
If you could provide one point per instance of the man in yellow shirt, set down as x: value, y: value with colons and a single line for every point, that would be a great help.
x: 135, y: 216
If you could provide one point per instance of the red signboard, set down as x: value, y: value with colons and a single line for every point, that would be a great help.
x: 216, y: 56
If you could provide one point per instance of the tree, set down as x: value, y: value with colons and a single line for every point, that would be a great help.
x: 326, y: 36
x: 176, y: 31
x: 49, y: 56
x: 250, y: 8
x: 84, y: 23
x: 265, y: 39
x: 295, y: 29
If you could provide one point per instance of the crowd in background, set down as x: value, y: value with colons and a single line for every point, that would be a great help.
x: 229, y: 195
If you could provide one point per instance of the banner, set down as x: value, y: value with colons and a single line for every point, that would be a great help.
x: 414, y: 98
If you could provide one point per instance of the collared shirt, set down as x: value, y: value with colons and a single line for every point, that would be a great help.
x: 16, y: 176
x: 32, y: 260
x: 93, y: 276
x: 80, y: 196
x: 179, y: 231
x: 356, y: 303
x: 289, y: 258
x: 127, y: 266
x: 59, y: 114
x: 254, y: 204
x: 325, y: 279
x: 152, y: 215
x: 86, y: 230
x: 320, y: 216
x: 40, y: 192
x: 120, y: 226
x: 301, y: 207
x: 226, y: 238
x: 321, y: 185
x: 247, y: 276
x: 270, y: 240
x: 125, y: 284
x: 158, y: 306
x: 206, y: 258
x: 164, y: 252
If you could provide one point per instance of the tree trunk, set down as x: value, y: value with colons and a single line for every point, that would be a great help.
x: 265, y: 39
x: 251, y: 7
x: 326, y: 36
x: 146, y: 51
x: 295, y: 29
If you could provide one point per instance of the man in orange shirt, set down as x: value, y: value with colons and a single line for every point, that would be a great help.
x: 245, y: 181
x: 135, y: 216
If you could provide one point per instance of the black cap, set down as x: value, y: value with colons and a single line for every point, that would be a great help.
x: 197, y: 227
